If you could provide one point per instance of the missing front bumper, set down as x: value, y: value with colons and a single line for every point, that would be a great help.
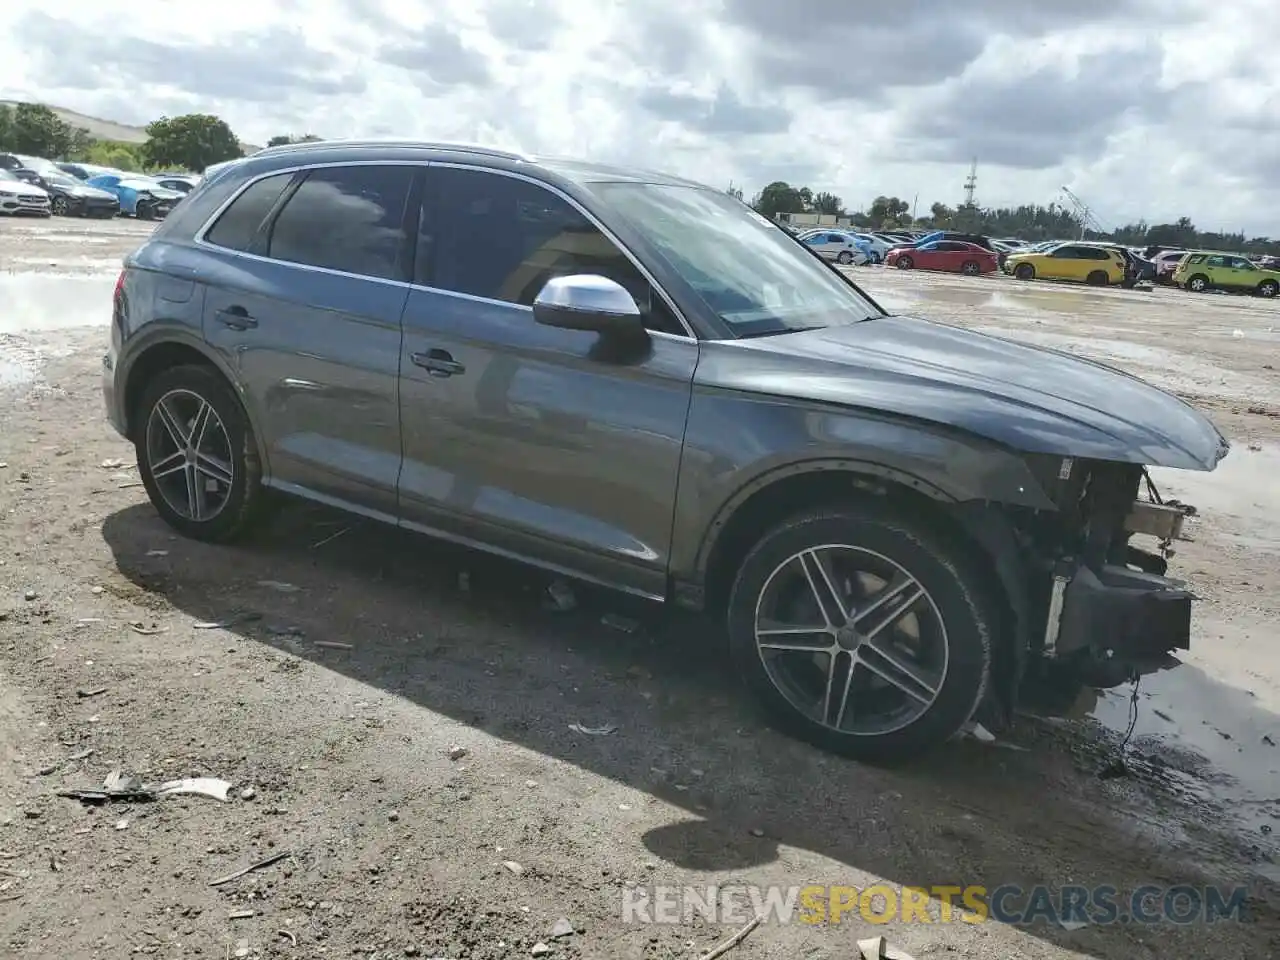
x: 1117, y: 614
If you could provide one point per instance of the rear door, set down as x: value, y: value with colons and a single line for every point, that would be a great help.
x: 1064, y: 264
x: 558, y: 446
x: 305, y: 306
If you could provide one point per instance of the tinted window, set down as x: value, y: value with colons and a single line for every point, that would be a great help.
x: 1097, y: 254
x: 239, y: 223
x: 1240, y: 263
x: 503, y: 239
x: 1217, y: 261
x: 1066, y: 253
x: 346, y: 218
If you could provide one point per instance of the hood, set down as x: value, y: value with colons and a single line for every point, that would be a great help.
x: 1030, y: 399
x: 21, y: 188
x: 90, y: 193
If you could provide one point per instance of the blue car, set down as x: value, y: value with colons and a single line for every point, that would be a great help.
x: 139, y: 197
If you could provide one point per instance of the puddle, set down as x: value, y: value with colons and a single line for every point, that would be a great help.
x: 37, y: 302
x: 1204, y: 739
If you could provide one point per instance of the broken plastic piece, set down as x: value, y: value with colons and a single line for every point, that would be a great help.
x: 603, y: 731
x: 877, y: 948
x: 205, y: 786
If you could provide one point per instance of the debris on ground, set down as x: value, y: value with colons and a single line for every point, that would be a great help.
x: 279, y: 586
x: 119, y: 786
x: 205, y: 786
x: 561, y: 928
x: 138, y: 626
x: 231, y: 621
x: 602, y: 731
x: 877, y: 948
x: 457, y: 753
x: 560, y: 596
x: 258, y: 865
x: 539, y: 949
x: 332, y: 645
x: 721, y: 949
x: 513, y: 867
x: 616, y: 622
x: 94, y: 692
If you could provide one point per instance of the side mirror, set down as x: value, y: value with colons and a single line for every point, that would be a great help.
x: 588, y: 302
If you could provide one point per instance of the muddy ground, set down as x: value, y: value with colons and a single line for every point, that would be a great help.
x: 341, y: 756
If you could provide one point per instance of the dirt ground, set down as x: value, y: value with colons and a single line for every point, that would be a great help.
x: 422, y: 778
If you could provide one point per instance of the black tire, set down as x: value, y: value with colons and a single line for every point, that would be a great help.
x: 60, y: 207
x: 1268, y: 288
x: 144, y: 211
x: 845, y: 258
x: 948, y: 576
x: 971, y: 268
x: 1098, y: 278
x: 1024, y: 271
x: 1198, y: 284
x: 247, y: 501
x: 905, y: 262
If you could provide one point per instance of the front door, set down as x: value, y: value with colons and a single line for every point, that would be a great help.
x: 557, y: 446
x: 311, y: 324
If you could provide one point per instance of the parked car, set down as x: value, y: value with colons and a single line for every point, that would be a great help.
x: 834, y: 245
x: 139, y: 196
x: 637, y: 380
x: 69, y: 197
x: 179, y: 183
x: 878, y: 247
x: 948, y: 255
x: 83, y: 171
x: 1204, y: 270
x: 956, y: 236
x: 1078, y: 262
x: 19, y: 198
x: 1137, y: 268
x: 1166, y: 261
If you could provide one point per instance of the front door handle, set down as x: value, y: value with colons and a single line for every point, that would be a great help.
x: 438, y: 363
x: 237, y: 318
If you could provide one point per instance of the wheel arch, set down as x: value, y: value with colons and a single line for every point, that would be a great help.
x: 980, y: 532
x: 178, y: 349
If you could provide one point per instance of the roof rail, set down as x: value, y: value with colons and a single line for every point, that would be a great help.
x: 392, y: 142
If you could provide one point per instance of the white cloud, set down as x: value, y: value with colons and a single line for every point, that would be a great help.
x: 1145, y: 108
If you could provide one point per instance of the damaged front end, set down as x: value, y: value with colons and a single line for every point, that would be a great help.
x: 1100, y: 605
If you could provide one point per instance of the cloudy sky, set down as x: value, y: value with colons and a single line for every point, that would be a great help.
x: 1145, y: 108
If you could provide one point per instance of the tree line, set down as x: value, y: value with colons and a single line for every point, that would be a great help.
x: 192, y: 141
x: 1030, y: 222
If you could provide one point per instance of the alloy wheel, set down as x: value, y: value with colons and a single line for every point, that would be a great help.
x: 851, y: 640
x: 189, y: 455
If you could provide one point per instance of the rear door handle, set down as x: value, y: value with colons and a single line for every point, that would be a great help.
x: 438, y: 363
x: 237, y: 318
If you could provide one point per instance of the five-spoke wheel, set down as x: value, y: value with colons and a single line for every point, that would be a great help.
x: 861, y: 633
x: 196, y: 454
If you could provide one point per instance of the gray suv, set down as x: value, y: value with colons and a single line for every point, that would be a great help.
x: 636, y: 380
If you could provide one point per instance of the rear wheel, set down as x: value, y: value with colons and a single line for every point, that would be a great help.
x: 1198, y: 284
x: 1024, y: 271
x: 60, y: 206
x: 197, y: 455
x: 861, y: 632
x: 845, y: 258
x: 1268, y: 288
x: 971, y: 267
x: 905, y: 263
x: 1098, y: 278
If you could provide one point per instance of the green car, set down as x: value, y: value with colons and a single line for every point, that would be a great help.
x: 1204, y: 270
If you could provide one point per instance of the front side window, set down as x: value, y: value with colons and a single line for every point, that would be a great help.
x: 347, y: 218
x: 1064, y: 253
x: 239, y: 223
x: 1216, y: 261
x: 502, y: 238
x: 1240, y: 263
x: 755, y: 277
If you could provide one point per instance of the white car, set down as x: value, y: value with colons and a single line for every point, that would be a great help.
x: 17, y: 197
x: 841, y: 247
x: 879, y: 246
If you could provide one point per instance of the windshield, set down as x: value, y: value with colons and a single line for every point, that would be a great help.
x: 750, y: 272
x: 62, y: 179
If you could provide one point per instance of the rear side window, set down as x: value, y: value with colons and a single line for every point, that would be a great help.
x: 1196, y: 258
x: 1217, y: 261
x: 347, y: 218
x: 239, y: 223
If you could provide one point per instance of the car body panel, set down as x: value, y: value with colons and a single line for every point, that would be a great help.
x: 18, y: 198
x: 129, y: 190
x: 946, y: 255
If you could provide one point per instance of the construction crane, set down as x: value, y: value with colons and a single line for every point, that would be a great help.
x: 1083, y: 214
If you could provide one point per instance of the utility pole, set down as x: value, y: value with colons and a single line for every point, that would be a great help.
x: 914, y: 204
x: 971, y: 183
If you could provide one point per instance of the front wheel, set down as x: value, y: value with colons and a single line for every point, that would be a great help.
x: 1024, y: 271
x: 905, y: 263
x: 1268, y: 288
x: 144, y: 211
x: 60, y: 206
x: 861, y: 632
x: 197, y: 455
x: 971, y: 268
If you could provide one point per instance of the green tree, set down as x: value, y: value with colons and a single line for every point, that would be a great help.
x: 192, y: 141
x: 828, y: 203
x: 6, y: 126
x: 780, y: 197
x: 889, y: 211
x: 115, y: 153
x: 37, y: 130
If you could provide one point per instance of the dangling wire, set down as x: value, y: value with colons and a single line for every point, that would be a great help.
x: 1133, y: 714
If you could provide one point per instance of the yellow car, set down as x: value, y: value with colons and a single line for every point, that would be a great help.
x: 1203, y: 270
x: 1081, y: 262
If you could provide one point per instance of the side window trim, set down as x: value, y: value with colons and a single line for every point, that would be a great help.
x: 591, y: 218
x: 262, y: 238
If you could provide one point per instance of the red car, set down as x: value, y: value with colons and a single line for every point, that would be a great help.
x: 949, y: 255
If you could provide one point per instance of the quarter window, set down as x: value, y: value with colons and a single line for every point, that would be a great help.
x: 503, y: 238
x: 347, y: 218
x: 239, y: 223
